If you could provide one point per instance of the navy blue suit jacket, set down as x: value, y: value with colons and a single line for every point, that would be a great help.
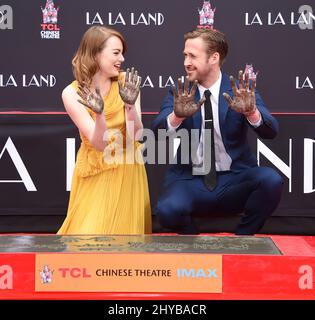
x: 233, y: 126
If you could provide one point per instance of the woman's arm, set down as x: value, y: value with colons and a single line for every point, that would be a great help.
x: 92, y: 130
x: 133, y: 120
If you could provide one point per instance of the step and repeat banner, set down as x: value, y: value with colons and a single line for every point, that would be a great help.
x: 38, y: 39
x: 38, y: 156
x: 276, y: 37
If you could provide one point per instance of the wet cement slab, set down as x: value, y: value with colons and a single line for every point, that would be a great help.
x: 134, y: 243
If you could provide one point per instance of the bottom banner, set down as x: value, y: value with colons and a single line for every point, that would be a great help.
x: 158, y: 309
x: 128, y: 272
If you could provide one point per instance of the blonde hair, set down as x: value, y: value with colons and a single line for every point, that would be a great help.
x: 214, y: 40
x: 84, y: 64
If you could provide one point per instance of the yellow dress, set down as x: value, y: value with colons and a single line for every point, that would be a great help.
x: 108, y: 197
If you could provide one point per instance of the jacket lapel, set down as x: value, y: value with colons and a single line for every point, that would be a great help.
x: 223, y: 105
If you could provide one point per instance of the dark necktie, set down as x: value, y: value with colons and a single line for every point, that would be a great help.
x: 210, y: 179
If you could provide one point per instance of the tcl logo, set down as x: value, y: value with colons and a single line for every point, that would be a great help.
x: 74, y: 272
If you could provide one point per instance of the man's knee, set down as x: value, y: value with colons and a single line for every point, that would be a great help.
x: 271, y: 181
x: 171, y: 212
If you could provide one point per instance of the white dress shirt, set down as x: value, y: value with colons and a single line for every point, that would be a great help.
x: 222, y: 159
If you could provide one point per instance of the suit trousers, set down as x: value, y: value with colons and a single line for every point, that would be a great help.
x: 255, y: 191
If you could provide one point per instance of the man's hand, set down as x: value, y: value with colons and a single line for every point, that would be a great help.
x: 184, y: 101
x: 93, y: 101
x: 244, y: 97
x: 130, y: 90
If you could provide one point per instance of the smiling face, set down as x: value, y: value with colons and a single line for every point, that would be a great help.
x: 100, y: 51
x: 199, y: 64
x: 111, y: 57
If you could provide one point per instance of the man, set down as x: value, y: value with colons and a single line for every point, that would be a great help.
x: 237, y: 184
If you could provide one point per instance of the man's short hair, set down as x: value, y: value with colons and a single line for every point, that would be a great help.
x: 214, y: 39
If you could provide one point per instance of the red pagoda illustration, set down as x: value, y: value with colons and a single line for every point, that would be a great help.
x: 50, y: 13
x: 250, y: 70
x: 206, y: 15
x: 46, y: 274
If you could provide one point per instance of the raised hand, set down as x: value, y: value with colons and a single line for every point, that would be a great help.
x: 130, y: 90
x: 184, y: 101
x: 91, y: 100
x: 244, y: 97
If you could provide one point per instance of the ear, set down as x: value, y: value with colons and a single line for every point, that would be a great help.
x: 215, y: 58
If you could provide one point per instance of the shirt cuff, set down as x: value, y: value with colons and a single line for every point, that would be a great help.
x: 170, y: 128
x: 257, y: 123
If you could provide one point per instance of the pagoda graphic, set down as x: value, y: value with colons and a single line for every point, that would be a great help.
x: 250, y: 70
x: 50, y: 13
x: 206, y: 15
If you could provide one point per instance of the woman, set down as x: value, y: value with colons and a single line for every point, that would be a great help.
x: 108, y: 196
